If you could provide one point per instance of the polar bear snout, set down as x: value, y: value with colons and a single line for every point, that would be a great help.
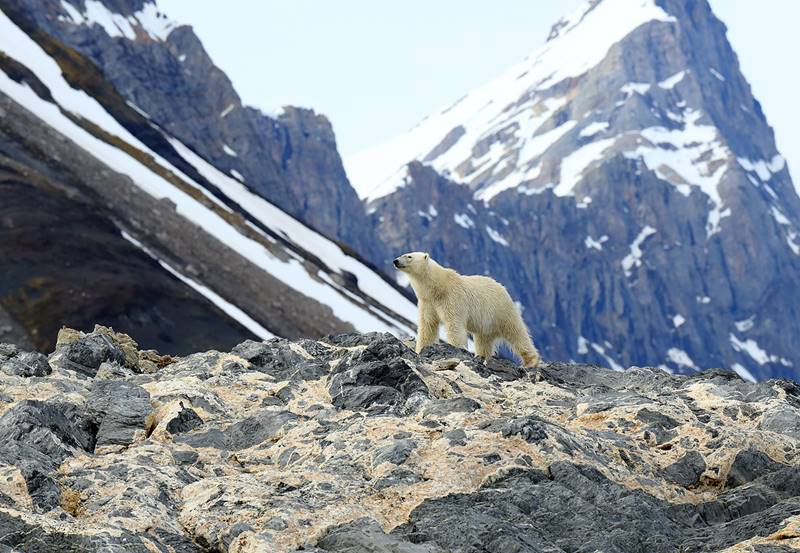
x: 411, y: 262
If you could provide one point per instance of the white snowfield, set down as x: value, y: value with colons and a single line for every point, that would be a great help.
x: 17, y: 44
x: 582, y: 43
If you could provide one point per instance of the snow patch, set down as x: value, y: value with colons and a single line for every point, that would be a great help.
x: 237, y: 175
x: 746, y: 324
x: 791, y: 234
x: 744, y: 373
x: 763, y: 168
x: 593, y: 128
x: 670, y: 82
x: 137, y: 109
x: 573, y: 166
x: 717, y: 74
x: 591, y: 243
x: 681, y: 358
x: 229, y: 108
x: 583, y: 345
x: 751, y: 348
x: 634, y: 258
x: 602, y: 351
x: 229, y: 151
x: 152, y: 22
x: 635, y: 88
x: 464, y: 220
x: 496, y: 236
x: 692, y: 156
x: 678, y: 320
x: 155, y: 23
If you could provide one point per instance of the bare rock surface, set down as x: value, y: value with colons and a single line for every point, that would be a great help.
x: 354, y: 443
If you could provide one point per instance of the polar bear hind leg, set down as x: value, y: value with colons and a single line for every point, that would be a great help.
x: 520, y: 342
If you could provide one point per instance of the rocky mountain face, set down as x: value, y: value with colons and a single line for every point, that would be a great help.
x: 623, y: 183
x: 161, y: 67
x: 356, y: 443
x: 107, y: 216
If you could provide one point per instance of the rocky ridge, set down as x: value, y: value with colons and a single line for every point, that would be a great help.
x: 355, y: 443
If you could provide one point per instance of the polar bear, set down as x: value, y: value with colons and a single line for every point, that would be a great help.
x: 475, y: 304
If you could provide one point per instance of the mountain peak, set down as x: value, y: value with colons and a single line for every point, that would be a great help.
x: 566, y: 23
x: 513, y: 103
x: 628, y: 153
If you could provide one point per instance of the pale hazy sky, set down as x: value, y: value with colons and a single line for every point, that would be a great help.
x: 376, y: 68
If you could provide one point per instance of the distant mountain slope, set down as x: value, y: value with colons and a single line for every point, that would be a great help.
x: 161, y: 68
x: 624, y: 183
x: 201, y: 234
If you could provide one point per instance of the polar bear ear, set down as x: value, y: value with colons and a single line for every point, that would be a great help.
x: 426, y: 256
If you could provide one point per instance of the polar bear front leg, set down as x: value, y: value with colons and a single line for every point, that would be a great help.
x: 428, y: 327
x: 484, y: 346
x: 456, y: 332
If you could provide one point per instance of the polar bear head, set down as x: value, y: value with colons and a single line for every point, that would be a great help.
x: 413, y: 262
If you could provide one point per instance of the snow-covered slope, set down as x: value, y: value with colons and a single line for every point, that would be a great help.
x: 302, y: 259
x: 460, y: 141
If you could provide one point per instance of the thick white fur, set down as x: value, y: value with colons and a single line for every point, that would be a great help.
x: 477, y: 305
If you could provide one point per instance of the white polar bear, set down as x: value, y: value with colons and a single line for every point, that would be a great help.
x: 475, y: 304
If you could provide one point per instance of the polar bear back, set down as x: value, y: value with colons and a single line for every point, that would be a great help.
x: 486, y: 304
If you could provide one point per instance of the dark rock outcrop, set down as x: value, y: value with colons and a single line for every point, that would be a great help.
x: 248, y: 451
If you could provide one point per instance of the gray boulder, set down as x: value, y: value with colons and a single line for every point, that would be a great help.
x: 119, y: 410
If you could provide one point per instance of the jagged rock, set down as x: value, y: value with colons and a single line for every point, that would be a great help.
x: 686, y: 471
x: 365, y: 535
x: 119, y: 410
x: 443, y: 407
x: 395, y: 453
x: 211, y: 453
x: 35, y: 537
x: 184, y: 421
x: 20, y: 363
x: 377, y: 378
x: 749, y: 465
x: 112, y: 371
x: 456, y: 437
x: 255, y: 430
x: 36, y: 437
x: 275, y: 357
x: 88, y: 352
x: 530, y: 429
